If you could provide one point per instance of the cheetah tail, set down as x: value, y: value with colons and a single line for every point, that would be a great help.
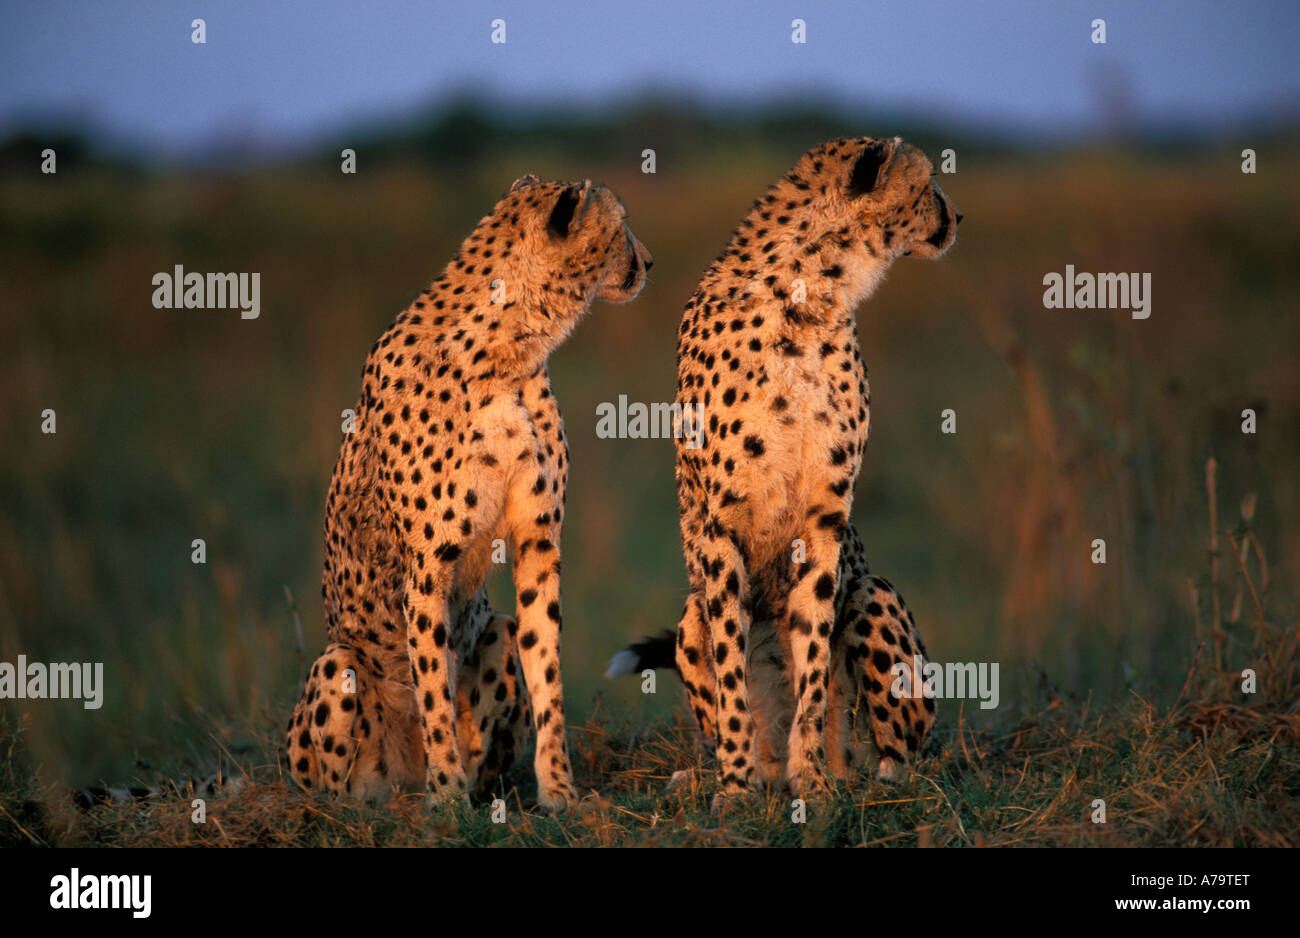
x: 654, y: 651
x: 219, y: 785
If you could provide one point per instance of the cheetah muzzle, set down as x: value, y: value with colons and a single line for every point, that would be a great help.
x: 458, y: 450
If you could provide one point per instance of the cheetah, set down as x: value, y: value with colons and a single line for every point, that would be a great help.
x: 458, y: 450
x: 768, y: 347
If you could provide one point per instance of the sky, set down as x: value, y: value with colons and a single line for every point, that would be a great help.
x: 281, y: 73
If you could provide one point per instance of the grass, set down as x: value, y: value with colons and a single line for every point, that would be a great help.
x: 1210, y: 770
x: 1217, y: 767
x: 1072, y: 426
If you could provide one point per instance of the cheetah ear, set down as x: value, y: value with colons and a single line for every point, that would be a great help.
x: 528, y: 179
x: 872, y: 167
x: 566, y: 207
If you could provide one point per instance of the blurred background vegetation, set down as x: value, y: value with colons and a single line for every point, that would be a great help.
x: 1072, y: 424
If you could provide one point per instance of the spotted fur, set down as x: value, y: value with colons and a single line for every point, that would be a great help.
x: 459, y: 442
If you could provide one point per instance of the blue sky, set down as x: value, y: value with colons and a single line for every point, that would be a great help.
x: 281, y: 73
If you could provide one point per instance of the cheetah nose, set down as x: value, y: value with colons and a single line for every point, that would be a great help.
x: 960, y: 216
x: 649, y: 262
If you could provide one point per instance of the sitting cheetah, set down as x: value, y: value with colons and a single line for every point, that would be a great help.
x: 458, y: 449
x: 768, y: 347
x: 877, y: 616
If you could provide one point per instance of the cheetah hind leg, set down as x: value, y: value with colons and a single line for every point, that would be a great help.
x: 493, y: 714
x: 877, y: 632
x: 355, y: 730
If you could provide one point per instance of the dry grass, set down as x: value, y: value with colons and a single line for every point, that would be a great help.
x: 1199, y: 773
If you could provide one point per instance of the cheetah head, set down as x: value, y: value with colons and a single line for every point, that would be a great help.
x: 886, y: 189
x: 580, y: 230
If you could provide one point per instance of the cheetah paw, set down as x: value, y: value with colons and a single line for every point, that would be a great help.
x: 441, y: 801
x: 557, y: 799
x: 888, y: 770
x: 726, y: 802
x: 456, y: 790
x: 808, y: 784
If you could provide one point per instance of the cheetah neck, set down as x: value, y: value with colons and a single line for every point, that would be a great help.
x: 816, y: 274
x: 485, y: 330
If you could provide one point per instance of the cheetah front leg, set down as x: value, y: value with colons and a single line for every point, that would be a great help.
x: 695, y: 665
x: 728, y: 629
x: 428, y: 627
x: 537, y: 604
x: 766, y: 685
x: 808, y: 622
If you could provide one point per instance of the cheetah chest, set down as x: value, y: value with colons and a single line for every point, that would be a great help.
x: 796, y: 432
x: 509, y: 451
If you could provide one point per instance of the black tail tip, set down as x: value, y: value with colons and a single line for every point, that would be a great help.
x: 652, y: 652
